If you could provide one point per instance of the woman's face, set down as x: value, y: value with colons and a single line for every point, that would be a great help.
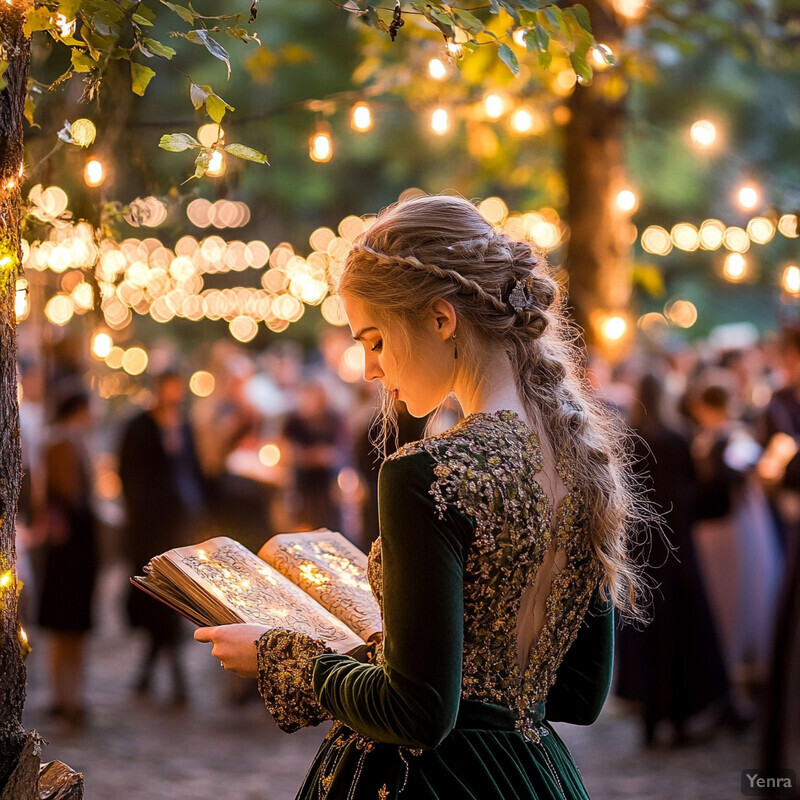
x: 422, y: 376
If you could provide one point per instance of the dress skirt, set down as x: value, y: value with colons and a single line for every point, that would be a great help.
x: 470, y: 764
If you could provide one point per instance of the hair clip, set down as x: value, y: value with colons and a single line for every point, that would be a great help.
x: 520, y: 299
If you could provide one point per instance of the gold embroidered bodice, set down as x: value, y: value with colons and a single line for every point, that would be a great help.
x: 488, y: 468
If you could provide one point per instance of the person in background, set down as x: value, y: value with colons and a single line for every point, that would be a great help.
x: 673, y: 668
x: 736, y: 542
x: 314, y: 433
x: 70, y: 561
x: 163, y: 494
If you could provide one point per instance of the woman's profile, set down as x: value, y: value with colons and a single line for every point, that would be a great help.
x: 503, y: 542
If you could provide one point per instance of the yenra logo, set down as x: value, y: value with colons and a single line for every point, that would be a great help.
x: 780, y: 782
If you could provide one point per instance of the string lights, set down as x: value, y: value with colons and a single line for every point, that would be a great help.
x: 703, y: 133
x: 436, y: 69
x: 320, y: 145
x: 93, y: 173
x: 791, y: 279
x: 748, y: 196
x: 361, y: 118
x: 440, y: 121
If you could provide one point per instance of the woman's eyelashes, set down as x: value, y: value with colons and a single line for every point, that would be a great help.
x: 377, y: 347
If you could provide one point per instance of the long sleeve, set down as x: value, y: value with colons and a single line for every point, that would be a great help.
x: 583, y: 679
x: 412, y: 698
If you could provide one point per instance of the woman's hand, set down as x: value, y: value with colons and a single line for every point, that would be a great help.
x: 234, y: 646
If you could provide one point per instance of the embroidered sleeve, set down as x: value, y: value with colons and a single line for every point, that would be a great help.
x: 285, y: 667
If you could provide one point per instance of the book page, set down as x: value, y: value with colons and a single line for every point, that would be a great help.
x: 333, y: 571
x: 245, y: 589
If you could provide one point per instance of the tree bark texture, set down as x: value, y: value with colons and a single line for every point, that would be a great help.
x: 16, y: 51
x: 597, y: 256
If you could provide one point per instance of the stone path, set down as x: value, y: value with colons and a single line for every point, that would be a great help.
x: 135, y: 749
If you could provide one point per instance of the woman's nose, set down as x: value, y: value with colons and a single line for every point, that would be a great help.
x: 372, y: 370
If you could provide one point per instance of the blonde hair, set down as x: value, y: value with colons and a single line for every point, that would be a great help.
x: 441, y: 247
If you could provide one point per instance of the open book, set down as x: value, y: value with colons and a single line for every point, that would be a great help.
x: 313, y: 583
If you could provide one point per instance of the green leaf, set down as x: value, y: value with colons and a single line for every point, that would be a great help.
x: 248, y: 153
x: 201, y: 162
x: 197, y: 95
x: 103, y: 17
x: 81, y: 61
x: 545, y: 59
x: 537, y: 39
x: 3, y: 68
x: 508, y: 57
x: 468, y: 21
x: 242, y: 35
x: 216, y: 107
x: 178, y: 142
x: 40, y: 19
x: 140, y: 77
x: 152, y: 47
x: 213, y: 47
x: 140, y: 20
x: 181, y: 11
x: 581, y: 66
x: 582, y: 15
x: 69, y: 8
x: 512, y: 12
x: 29, y: 108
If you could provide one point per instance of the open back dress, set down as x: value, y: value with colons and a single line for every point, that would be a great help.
x: 493, y: 628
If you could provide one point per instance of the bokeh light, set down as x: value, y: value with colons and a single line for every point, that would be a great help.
x: 682, y: 313
x: 269, y: 455
x: 202, y: 383
x: 320, y: 146
x: 791, y: 279
x: 748, y: 196
x: 101, y: 345
x: 134, y: 361
x: 735, y: 267
x: 83, y: 132
x: 94, y: 173
x: 703, y: 133
x: 436, y: 69
x: 440, y: 121
x: 361, y: 117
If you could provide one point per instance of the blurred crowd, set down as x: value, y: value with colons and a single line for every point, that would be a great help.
x: 282, y: 440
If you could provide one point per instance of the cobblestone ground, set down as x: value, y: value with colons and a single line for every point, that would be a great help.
x: 213, y: 749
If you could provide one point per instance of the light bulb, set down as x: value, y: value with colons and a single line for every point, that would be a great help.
x: 436, y: 69
x: 320, y: 146
x: 494, y: 105
x: 748, y: 196
x: 361, y: 117
x: 93, y: 172
x: 440, y: 121
x: 703, y: 133
x: 627, y: 201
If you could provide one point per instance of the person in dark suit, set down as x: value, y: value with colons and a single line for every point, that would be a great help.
x: 163, y: 493
x: 673, y: 668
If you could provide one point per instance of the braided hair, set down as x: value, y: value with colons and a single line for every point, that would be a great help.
x: 502, y: 291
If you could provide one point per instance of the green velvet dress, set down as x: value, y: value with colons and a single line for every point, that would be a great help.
x: 445, y: 709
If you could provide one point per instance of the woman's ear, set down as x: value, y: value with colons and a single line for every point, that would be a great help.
x: 443, y: 317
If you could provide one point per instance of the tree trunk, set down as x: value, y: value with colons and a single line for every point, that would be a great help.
x: 12, y: 668
x: 597, y: 256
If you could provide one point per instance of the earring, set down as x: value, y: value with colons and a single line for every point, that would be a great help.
x: 455, y: 346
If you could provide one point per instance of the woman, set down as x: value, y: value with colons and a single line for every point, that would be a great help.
x: 70, y: 561
x: 500, y: 538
